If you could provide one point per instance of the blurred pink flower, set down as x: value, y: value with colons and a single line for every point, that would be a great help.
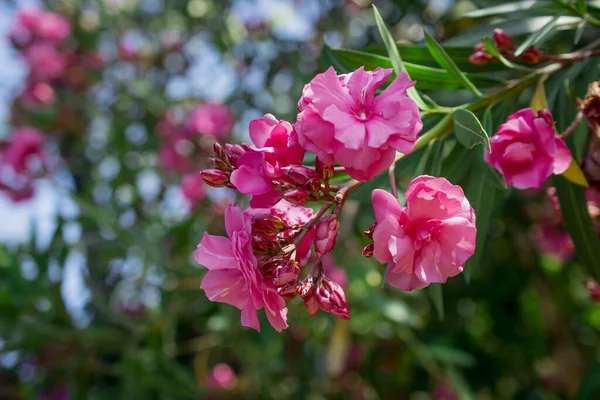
x: 38, y: 93
x: 211, y: 119
x: 221, y: 376
x: 335, y: 273
x: 553, y: 241
x: 527, y: 151
x: 594, y: 289
x: 192, y: 187
x: 233, y: 275
x: 341, y: 120
x: 175, y: 154
x: 427, y: 241
x: 24, y: 145
x: 45, y: 61
x: 53, y: 27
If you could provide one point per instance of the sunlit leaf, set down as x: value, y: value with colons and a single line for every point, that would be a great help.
x: 575, y: 174
x: 537, y: 37
x: 444, y: 60
x: 539, y: 100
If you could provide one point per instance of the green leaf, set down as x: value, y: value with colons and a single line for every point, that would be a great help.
x: 468, y: 129
x: 437, y: 297
x: 433, y: 162
x: 457, y: 163
x: 580, y: 29
x: 427, y: 78
x: 590, y: 385
x: 581, y: 6
x: 451, y: 355
x: 537, y: 37
x: 329, y: 58
x: 394, y: 54
x: 444, y: 60
x: 480, y: 194
x: 509, y: 8
x: 573, y: 205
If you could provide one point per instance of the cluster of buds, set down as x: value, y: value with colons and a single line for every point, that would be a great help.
x: 321, y: 293
x: 505, y: 45
x: 55, y: 62
x: 224, y: 160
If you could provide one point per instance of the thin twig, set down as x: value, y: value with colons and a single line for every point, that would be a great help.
x: 571, y: 128
x: 312, y: 222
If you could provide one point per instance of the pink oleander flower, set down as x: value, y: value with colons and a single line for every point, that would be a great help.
x: 192, y: 188
x: 341, y: 120
x: 527, y: 151
x: 211, y: 119
x: 221, y: 376
x: 53, y: 27
x: 36, y: 93
x: 233, y: 275
x: 276, y: 147
x: 427, y: 241
x: 553, y: 241
x: 45, y: 61
x: 35, y: 23
x: 175, y: 154
x: 24, y: 146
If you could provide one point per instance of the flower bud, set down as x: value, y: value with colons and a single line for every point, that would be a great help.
x: 480, y: 58
x: 331, y: 298
x: 594, y: 290
x: 215, y: 177
x: 234, y: 151
x: 296, y: 197
x: 297, y: 175
x: 326, y: 235
x: 503, y: 40
x: 268, y: 225
x: 532, y: 56
x: 325, y: 171
x: 368, y: 250
x: 286, y: 273
x: 307, y: 292
x: 313, y: 186
x: 547, y: 116
x: 369, y: 233
x: 219, y: 150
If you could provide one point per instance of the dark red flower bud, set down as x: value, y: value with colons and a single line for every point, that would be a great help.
x: 215, y: 177
x: 296, y: 197
x: 219, y: 150
x: 310, y: 299
x: 234, y: 151
x: 532, y: 56
x: 297, y: 175
x: 480, y: 58
x: 369, y: 233
x: 503, y: 40
x: 368, y: 250
x: 268, y: 225
x: 331, y: 298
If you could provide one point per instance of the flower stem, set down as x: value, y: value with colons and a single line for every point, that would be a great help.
x: 571, y: 128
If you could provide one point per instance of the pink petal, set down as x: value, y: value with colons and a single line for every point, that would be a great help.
x: 384, y: 205
x: 381, y: 237
x: 403, y: 254
x: 406, y: 282
x: 235, y: 221
x: 260, y: 129
x: 563, y: 157
x: 225, y: 286
x: 249, y: 316
x: 348, y: 130
x: 276, y: 310
x: 214, y: 252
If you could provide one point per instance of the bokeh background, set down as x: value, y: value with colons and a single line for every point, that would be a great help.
x: 99, y: 294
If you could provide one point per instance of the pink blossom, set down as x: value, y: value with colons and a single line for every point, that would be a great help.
x: 527, y: 151
x: 175, y: 154
x: 53, y: 27
x: 192, y: 187
x: 45, y: 61
x: 233, y: 275
x: 35, y: 23
x: 553, y: 241
x: 276, y: 146
x: 39, y: 93
x: 211, y: 119
x: 24, y: 145
x: 427, y: 241
x: 221, y: 376
x: 341, y: 120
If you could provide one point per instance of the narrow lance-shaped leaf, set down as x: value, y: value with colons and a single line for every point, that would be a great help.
x: 539, y: 101
x: 581, y: 6
x: 390, y: 45
x: 468, y: 129
x: 495, y: 179
x: 537, y: 37
x: 444, y: 60
x: 580, y: 29
x: 573, y: 206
